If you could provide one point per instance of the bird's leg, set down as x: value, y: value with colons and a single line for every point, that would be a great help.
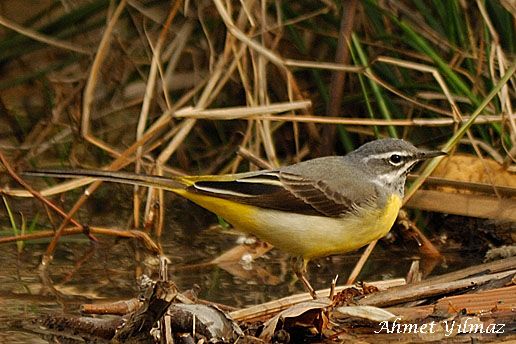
x: 299, y: 266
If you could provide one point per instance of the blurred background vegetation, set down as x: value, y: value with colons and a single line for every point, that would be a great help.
x: 192, y: 81
x: 209, y: 87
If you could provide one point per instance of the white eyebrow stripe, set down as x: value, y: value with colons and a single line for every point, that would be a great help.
x: 387, y: 155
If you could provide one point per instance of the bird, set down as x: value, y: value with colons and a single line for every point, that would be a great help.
x: 315, y: 208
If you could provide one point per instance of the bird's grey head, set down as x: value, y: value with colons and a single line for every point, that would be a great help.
x: 389, y: 161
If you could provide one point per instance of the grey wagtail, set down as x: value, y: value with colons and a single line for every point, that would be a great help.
x: 315, y: 208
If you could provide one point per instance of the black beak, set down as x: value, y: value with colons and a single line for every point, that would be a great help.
x: 424, y: 155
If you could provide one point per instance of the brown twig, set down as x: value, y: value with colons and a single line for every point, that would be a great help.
x: 133, y: 234
x: 37, y: 195
x: 425, y: 245
x: 417, y: 291
x: 272, y: 307
x: 360, y: 264
x: 338, y: 78
x: 253, y: 158
x: 114, y: 308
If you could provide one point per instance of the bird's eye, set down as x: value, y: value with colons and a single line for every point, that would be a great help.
x: 395, y: 159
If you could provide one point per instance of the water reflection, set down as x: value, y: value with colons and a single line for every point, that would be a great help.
x: 107, y: 271
x: 84, y: 273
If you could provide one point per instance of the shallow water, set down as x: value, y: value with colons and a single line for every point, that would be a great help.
x: 81, y: 273
x: 107, y: 271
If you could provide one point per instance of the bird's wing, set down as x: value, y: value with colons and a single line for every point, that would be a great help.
x: 263, y: 190
x: 279, y: 190
x: 317, y: 194
x: 333, y: 185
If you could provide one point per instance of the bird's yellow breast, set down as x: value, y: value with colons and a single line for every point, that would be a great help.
x: 308, y: 236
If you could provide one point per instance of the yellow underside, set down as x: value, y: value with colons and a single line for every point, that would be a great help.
x: 307, y: 236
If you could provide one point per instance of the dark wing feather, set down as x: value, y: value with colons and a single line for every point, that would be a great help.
x: 263, y: 191
x: 317, y: 194
x: 280, y: 191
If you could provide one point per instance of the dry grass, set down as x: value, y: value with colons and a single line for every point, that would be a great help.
x: 172, y: 89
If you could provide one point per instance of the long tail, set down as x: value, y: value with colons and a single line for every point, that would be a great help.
x: 117, y: 177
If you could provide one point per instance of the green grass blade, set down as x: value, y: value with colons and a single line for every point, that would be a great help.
x: 382, y: 103
x: 454, y: 140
